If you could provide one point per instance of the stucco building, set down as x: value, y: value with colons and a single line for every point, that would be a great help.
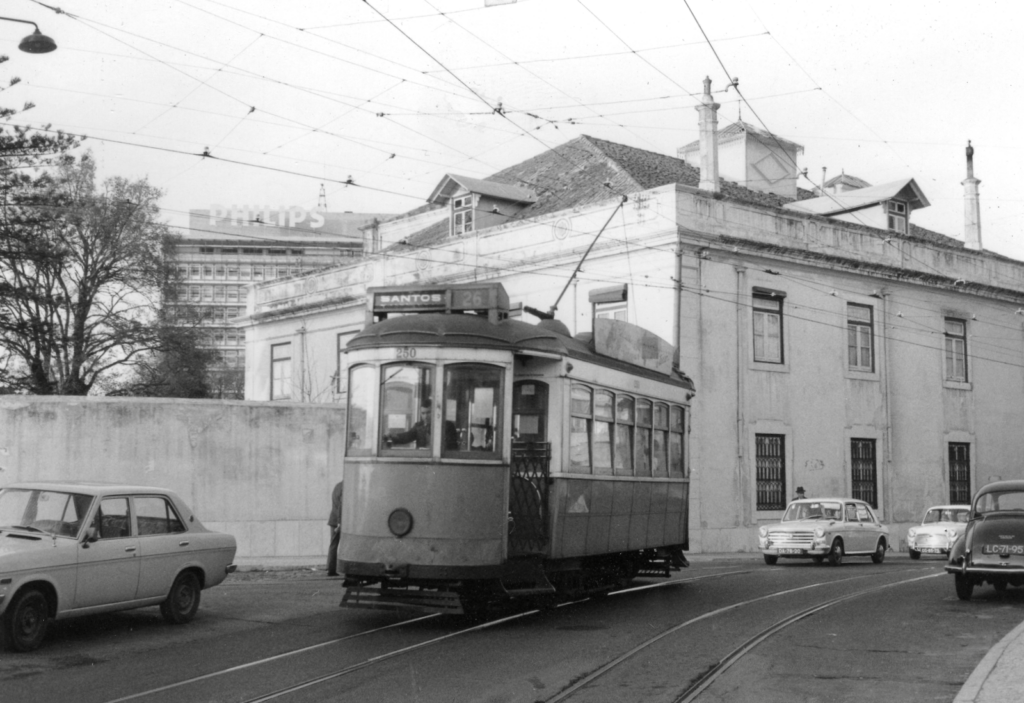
x: 834, y: 344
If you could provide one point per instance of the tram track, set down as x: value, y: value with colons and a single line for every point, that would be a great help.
x: 697, y: 687
x: 187, y: 688
x: 383, y: 657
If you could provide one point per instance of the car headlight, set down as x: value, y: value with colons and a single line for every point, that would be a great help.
x: 819, y: 532
x: 912, y: 533
x: 763, y: 531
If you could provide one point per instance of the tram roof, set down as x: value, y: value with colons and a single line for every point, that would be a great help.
x: 475, y: 331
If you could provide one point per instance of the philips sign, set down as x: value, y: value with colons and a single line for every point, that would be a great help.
x: 249, y: 215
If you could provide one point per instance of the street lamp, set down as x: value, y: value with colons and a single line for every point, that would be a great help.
x: 36, y: 42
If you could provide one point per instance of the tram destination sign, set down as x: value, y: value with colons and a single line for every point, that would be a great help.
x: 488, y: 297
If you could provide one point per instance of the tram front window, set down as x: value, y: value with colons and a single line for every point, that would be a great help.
x: 361, y: 410
x: 472, y: 397
x: 406, y: 400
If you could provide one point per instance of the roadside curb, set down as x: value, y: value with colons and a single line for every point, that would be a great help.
x: 1005, y: 684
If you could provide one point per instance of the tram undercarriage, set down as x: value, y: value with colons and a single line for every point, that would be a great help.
x: 527, y: 581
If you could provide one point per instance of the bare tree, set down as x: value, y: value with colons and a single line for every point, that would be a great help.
x: 82, y: 273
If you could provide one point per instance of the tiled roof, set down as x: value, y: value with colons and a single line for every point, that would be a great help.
x: 588, y: 170
x: 740, y: 129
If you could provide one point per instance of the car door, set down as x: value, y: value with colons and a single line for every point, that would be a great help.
x: 852, y: 528
x: 164, y: 544
x: 108, y: 568
x: 871, y: 526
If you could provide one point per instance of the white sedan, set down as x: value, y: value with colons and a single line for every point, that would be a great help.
x: 938, y: 531
x: 69, y: 549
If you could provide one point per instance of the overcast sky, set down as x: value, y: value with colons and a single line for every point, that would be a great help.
x: 395, y: 93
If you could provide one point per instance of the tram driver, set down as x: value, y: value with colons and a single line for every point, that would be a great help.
x: 418, y: 433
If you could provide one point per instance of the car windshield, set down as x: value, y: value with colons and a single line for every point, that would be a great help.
x: 945, y: 515
x: 813, y: 510
x: 1000, y: 502
x: 39, y: 510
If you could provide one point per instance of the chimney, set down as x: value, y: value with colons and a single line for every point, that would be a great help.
x: 708, y: 123
x: 972, y: 206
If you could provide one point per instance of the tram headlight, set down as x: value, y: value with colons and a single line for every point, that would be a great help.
x: 400, y: 522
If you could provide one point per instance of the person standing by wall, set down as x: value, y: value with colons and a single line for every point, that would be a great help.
x: 334, y: 522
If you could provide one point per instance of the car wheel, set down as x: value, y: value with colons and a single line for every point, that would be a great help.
x: 914, y: 554
x: 835, y: 555
x: 26, y: 621
x: 770, y: 559
x: 879, y: 556
x: 964, y: 587
x: 183, y: 600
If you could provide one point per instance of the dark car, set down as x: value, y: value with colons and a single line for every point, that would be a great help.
x: 991, y: 550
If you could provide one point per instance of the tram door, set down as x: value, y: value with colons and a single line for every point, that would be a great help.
x: 531, y: 466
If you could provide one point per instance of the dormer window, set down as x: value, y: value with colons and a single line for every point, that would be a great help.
x: 462, y: 214
x: 897, y: 216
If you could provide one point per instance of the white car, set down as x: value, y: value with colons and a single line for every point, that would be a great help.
x: 69, y: 549
x: 938, y: 531
x: 820, y: 528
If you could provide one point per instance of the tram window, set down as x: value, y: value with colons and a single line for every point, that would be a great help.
x: 406, y: 401
x: 529, y: 411
x: 659, y: 444
x: 604, y: 420
x: 579, y: 433
x: 472, y: 397
x: 676, y: 467
x: 361, y: 410
x: 643, y: 438
x: 624, y: 436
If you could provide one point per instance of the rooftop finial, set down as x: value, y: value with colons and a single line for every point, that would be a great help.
x: 970, y: 159
x: 707, y: 85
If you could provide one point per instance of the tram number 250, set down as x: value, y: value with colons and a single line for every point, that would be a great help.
x: 405, y: 352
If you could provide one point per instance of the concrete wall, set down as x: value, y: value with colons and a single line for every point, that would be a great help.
x: 263, y: 472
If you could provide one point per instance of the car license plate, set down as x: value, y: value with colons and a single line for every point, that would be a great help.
x: 790, y: 550
x: 1002, y: 549
x: 931, y: 550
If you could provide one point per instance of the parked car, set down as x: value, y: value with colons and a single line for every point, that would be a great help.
x: 69, y: 549
x: 991, y: 549
x: 940, y: 528
x: 820, y: 528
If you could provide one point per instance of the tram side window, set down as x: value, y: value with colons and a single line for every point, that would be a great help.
x: 406, y: 403
x: 624, y: 436
x: 579, y: 434
x: 361, y: 410
x: 472, y: 398
x: 676, y: 425
x: 529, y: 411
x: 659, y: 444
x: 604, y: 421
x: 643, y: 437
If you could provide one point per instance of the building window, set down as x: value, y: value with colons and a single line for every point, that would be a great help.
x: 462, y: 214
x: 865, y: 472
x: 233, y: 273
x: 860, y: 337
x: 897, y: 216
x: 219, y: 272
x: 959, y: 473
x: 956, y: 350
x: 767, y: 313
x: 232, y: 294
x: 246, y: 272
x: 770, y: 464
x: 195, y: 272
x: 207, y: 272
x: 281, y: 371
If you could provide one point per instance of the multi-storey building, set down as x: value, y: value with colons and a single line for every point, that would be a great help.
x: 834, y: 344
x: 226, y: 251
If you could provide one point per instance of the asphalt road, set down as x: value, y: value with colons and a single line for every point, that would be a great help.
x: 727, y: 629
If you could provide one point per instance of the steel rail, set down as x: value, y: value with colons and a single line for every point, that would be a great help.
x: 707, y: 679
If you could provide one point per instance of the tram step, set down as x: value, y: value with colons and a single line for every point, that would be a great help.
x: 538, y: 584
x: 373, y: 597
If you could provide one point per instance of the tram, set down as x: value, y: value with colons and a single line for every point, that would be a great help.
x: 488, y: 459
